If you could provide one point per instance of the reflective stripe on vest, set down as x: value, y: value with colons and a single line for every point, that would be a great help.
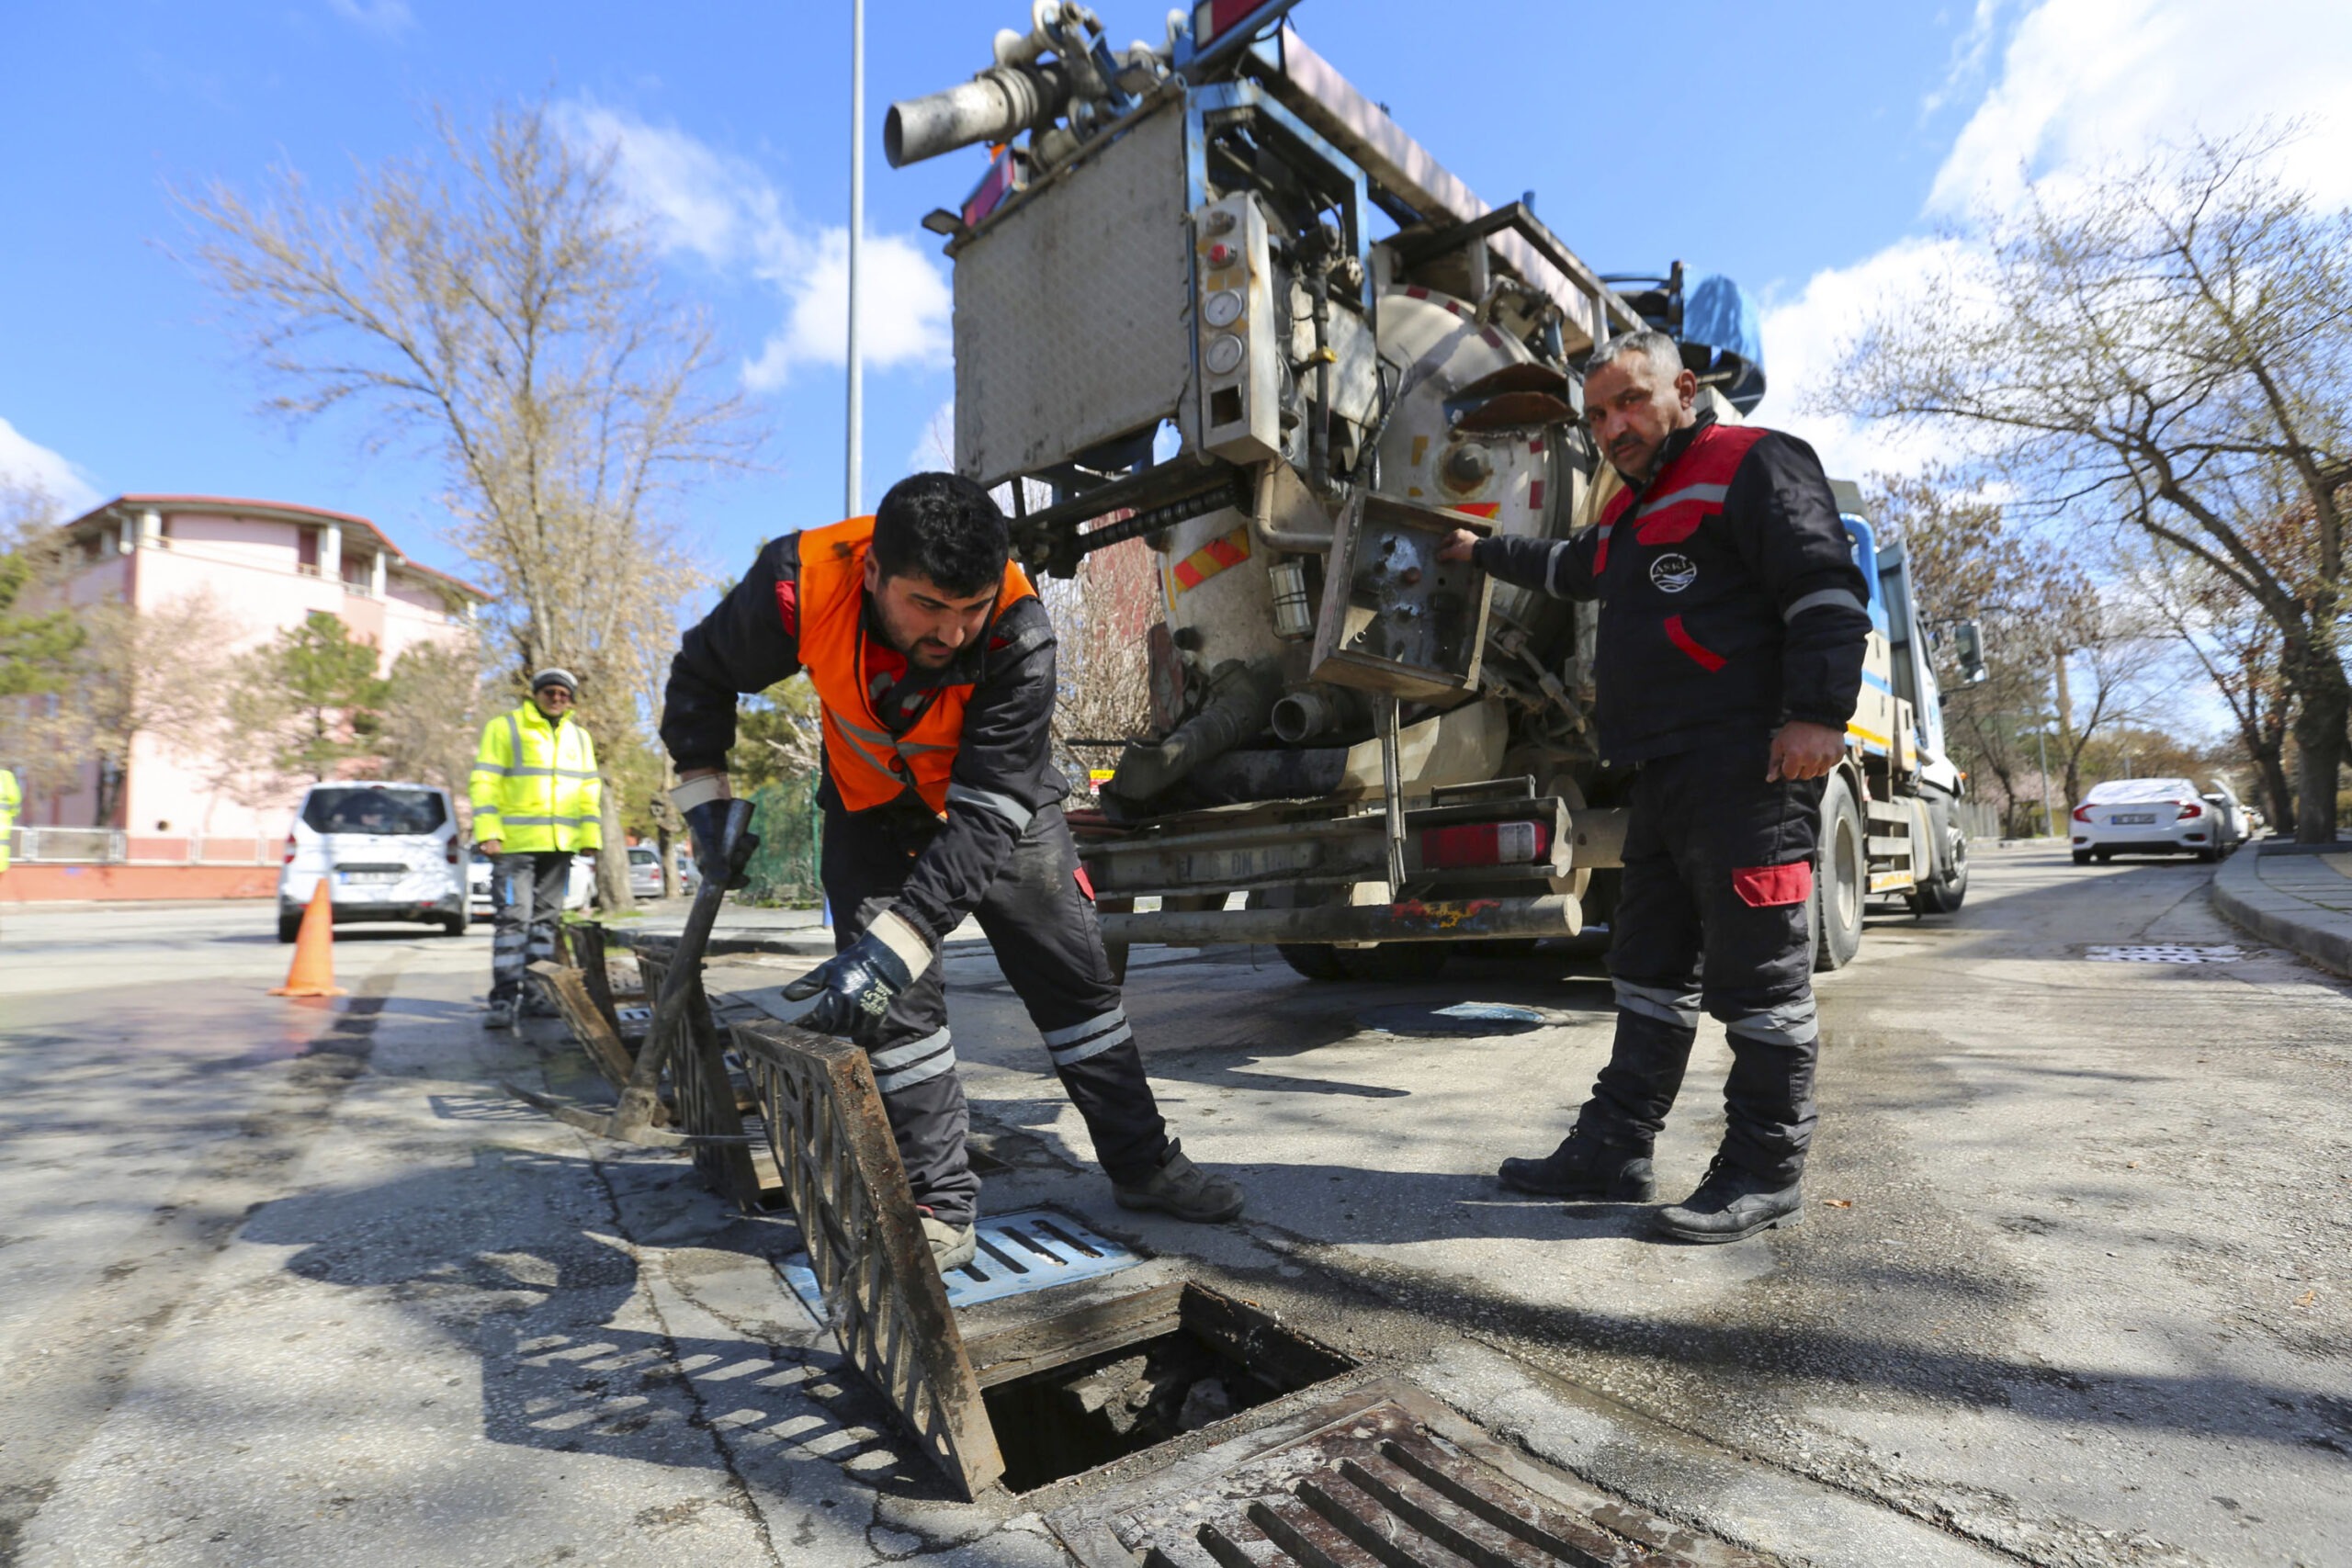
x: 869, y: 766
x: 1686, y: 492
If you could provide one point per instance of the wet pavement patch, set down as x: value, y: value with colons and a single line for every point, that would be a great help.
x: 1462, y: 1019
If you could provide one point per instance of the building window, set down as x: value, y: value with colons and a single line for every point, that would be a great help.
x: 306, y: 551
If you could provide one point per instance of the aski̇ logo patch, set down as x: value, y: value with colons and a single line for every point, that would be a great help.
x: 1673, y: 571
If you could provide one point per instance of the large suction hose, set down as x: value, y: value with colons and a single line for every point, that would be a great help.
x: 995, y: 105
x: 1240, y: 696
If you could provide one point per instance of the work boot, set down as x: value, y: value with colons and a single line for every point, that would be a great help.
x: 951, y: 1246
x: 1182, y: 1189
x: 500, y: 1016
x: 1731, y: 1204
x: 1585, y: 1170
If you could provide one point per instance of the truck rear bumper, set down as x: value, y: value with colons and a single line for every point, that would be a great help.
x: 1474, y: 919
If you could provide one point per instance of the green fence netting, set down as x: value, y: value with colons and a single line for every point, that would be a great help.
x: 784, y: 870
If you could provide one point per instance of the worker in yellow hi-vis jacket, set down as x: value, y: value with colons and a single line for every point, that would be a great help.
x: 536, y: 800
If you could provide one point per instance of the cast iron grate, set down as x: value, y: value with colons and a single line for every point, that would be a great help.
x: 1033, y: 1249
x: 2165, y: 953
x: 1396, y: 1481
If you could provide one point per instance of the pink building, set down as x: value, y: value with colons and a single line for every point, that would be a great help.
x: 265, y: 566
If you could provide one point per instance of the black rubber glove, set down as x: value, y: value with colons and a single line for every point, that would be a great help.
x: 857, y: 985
x: 707, y: 823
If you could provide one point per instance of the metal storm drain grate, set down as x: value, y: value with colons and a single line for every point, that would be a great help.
x: 1034, y: 1249
x: 1397, y: 1479
x: 2165, y: 953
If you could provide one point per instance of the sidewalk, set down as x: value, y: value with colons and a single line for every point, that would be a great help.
x: 2298, y: 895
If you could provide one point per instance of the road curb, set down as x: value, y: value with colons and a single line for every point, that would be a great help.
x: 2252, y: 905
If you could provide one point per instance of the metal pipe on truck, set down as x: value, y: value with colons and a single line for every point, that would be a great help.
x: 995, y: 105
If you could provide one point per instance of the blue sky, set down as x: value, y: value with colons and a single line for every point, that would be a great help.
x: 1809, y: 149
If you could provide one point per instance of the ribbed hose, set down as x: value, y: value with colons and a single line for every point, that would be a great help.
x: 1240, y: 698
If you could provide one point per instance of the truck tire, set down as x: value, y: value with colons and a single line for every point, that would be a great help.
x: 289, y: 925
x: 1384, y: 964
x: 1840, y: 884
x: 1314, y: 961
x: 1946, y: 883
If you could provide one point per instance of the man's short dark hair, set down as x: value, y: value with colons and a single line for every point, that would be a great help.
x: 945, y: 527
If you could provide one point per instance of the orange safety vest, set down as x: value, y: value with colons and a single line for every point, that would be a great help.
x: 869, y: 765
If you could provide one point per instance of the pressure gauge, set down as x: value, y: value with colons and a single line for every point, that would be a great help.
x: 1225, y: 355
x: 1223, y: 307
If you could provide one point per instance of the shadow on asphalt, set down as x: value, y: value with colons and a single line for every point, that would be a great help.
x: 511, y: 1259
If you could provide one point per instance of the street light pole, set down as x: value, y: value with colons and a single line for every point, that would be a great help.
x: 853, y: 485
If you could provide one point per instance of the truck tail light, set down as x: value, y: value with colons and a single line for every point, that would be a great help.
x: 1485, y: 843
x: 2082, y: 814
x: 2189, y: 808
x: 449, y: 851
x: 290, y: 849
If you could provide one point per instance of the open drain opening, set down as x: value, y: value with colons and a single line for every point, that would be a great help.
x: 1077, y: 1392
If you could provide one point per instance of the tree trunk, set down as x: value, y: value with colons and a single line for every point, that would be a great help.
x: 2270, y: 763
x: 612, y: 859
x: 666, y: 848
x: 2323, y: 702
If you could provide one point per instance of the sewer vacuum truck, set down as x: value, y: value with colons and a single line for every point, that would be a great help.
x: 1209, y: 295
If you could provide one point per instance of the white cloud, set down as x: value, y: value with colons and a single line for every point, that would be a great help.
x: 2082, y: 83
x: 1804, y: 337
x: 388, y: 17
x: 727, y: 211
x: 25, y: 464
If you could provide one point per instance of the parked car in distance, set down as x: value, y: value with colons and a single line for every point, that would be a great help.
x: 2163, y: 816
x: 389, y: 851
x: 578, y: 887
x: 645, y: 872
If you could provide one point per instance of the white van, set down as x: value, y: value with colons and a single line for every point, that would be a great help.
x: 393, y: 850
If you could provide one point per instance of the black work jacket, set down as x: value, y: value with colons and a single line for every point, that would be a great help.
x: 1729, y: 598
x: 1003, y: 773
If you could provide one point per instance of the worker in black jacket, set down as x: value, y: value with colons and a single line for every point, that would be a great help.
x: 932, y: 661
x: 1732, y: 624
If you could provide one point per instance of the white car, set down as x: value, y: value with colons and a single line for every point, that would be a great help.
x: 390, y: 851
x: 2163, y: 816
x: 578, y: 887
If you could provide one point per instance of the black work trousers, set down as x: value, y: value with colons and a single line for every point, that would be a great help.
x: 1039, y: 920
x: 527, y: 901
x: 1713, y: 913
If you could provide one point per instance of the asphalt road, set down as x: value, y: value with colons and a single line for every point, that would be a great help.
x: 296, y: 1283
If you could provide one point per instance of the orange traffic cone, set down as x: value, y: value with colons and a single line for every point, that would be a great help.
x: 312, y: 974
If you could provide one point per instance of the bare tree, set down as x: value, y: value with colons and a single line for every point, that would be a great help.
x: 1102, y: 663
x: 2166, y: 351
x: 435, y: 705
x: 496, y: 306
x: 2238, y: 649
x: 156, y: 673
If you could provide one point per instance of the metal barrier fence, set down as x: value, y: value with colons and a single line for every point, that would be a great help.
x: 1978, y: 818
x: 785, y: 871
x: 114, y: 846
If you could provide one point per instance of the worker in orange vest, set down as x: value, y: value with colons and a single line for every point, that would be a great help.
x: 933, y: 658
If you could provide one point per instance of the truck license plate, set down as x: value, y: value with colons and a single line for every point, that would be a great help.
x: 361, y: 878
x: 2134, y: 820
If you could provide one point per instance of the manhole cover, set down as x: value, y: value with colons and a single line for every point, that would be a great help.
x: 2165, y: 953
x: 1034, y: 1249
x: 1386, y: 1475
x: 1463, y: 1019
